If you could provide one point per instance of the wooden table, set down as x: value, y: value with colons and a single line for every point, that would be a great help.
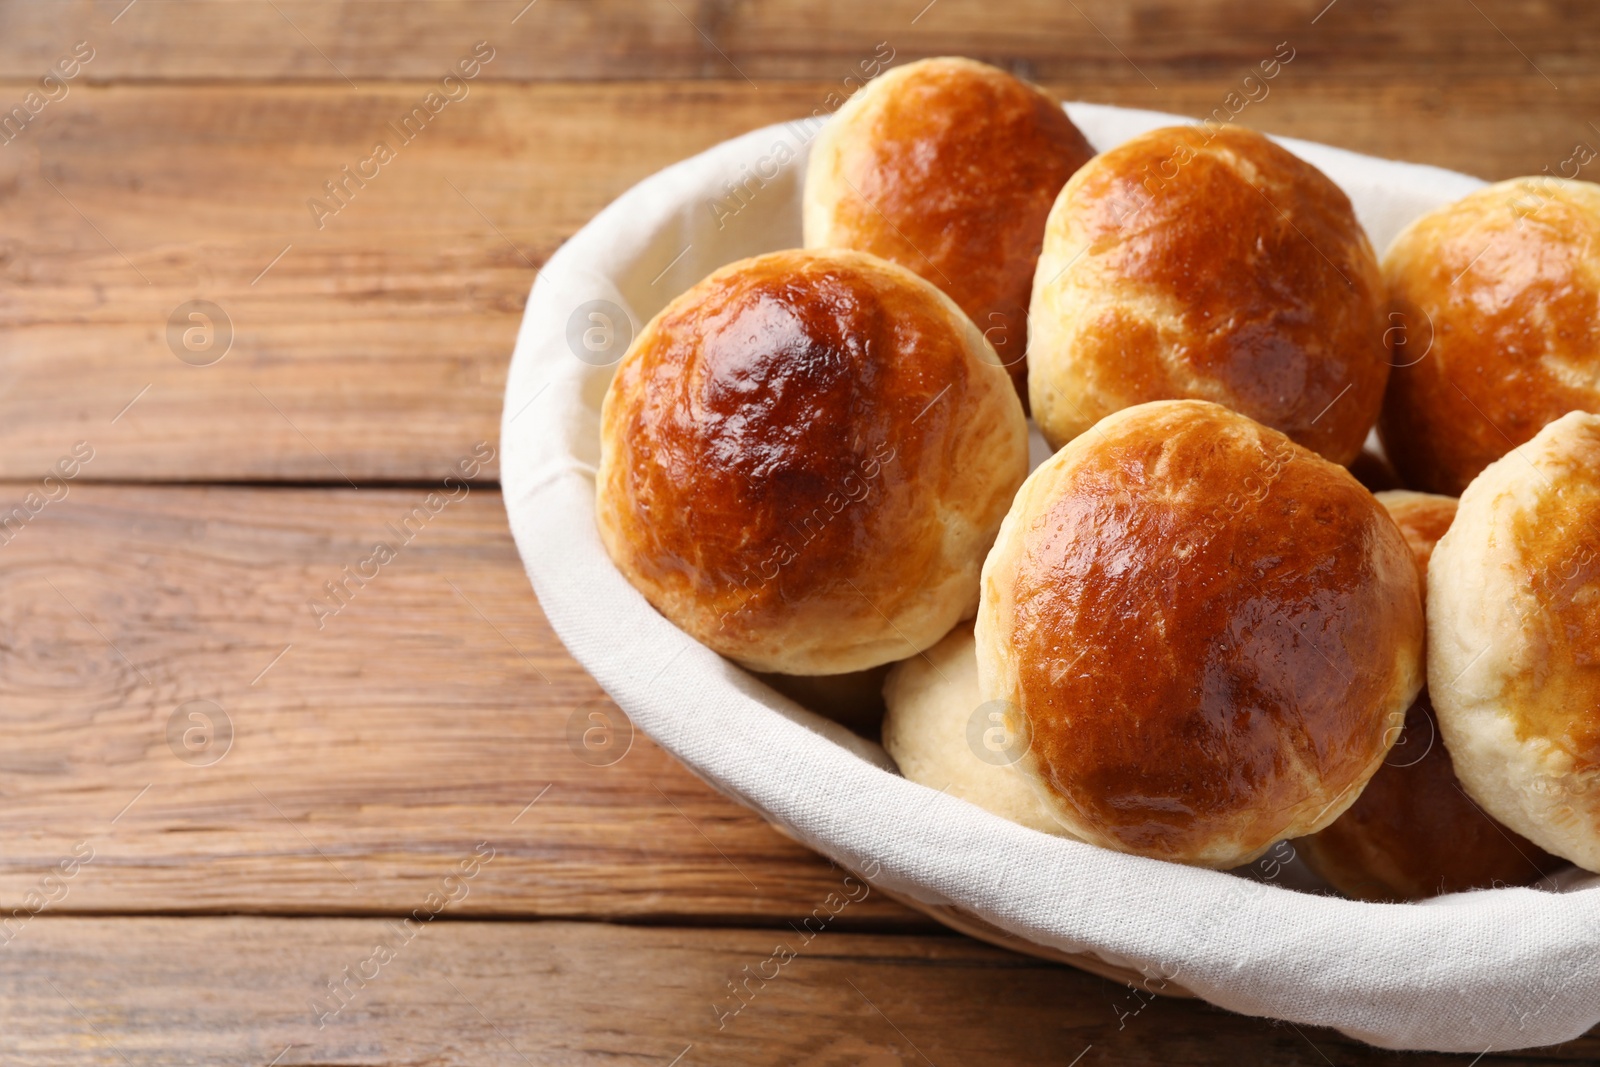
x: 217, y: 801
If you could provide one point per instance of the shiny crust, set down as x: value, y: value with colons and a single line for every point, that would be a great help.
x: 1212, y: 633
x: 1187, y: 263
x: 1514, y: 623
x: 1496, y: 308
x: 1413, y: 833
x: 948, y: 167
x: 1423, y: 518
x: 804, y: 459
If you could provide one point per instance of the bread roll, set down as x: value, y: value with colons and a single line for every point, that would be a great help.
x: 943, y: 735
x: 1413, y: 832
x: 1514, y: 639
x: 1187, y: 263
x: 1495, y: 326
x: 1211, y: 635
x: 804, y: 459
x: 948, y: 167
x: 1423, y: 518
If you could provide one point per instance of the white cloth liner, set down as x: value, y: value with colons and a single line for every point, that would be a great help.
x: 1490, y: 970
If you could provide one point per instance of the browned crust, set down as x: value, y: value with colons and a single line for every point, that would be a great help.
x: 1216, y: 265
x: 950, y: 171
x: 791, y: 451
x: 1423, y: 518
x: 1496, y: 313
x: 1558, y: 544
x: 1413, y: 833
x: 1216, y: 630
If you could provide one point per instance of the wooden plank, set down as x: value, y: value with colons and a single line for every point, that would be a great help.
x: 372, y: 747
x: 714, y: 39
x: 130, y: 992
x: 375, y: 348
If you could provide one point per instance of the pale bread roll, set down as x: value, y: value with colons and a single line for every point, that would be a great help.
x: 1514, y: 639
x: 943, y: 735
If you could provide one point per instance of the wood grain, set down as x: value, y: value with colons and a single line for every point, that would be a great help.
x: 375, y: 348
x: 420, y: 719
x: 129, y: 992
x: 782, y: 39
x: 377, y: 748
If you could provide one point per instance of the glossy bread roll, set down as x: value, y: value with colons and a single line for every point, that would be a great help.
x: 1211, y: 635
x: 1214, y: 265
x: 1423, y: 518
x: 804, y: 459
x: 943, y: 735
x: 948, y: 167
x: 1413, y: 832
x: 1514, y: 639
x: 1496, y: 326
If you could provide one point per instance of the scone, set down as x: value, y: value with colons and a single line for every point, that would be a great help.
x: 1214, y: 265
x: 1496, y: 326
x: 1413, y: 832
x: 804, y: 459
x: 1209, y: 634
x: 948, y: 167
x: 1514, y: 639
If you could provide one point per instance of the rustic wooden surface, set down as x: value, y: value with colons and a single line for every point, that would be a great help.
x: 376, y: 348
x: 374, y: 749
x: 612, y: 40
x: 366, y: 759
x: 137, y: 991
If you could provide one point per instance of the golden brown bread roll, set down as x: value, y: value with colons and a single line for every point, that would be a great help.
x: 1496, y: 326
x: 1211, y: 265
x: 1423, y: 518
x: 1210, y: 634
x: 804, y: 459
x: 1514, y: 639
x: 948, y: 167
x: 1413, y: 832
